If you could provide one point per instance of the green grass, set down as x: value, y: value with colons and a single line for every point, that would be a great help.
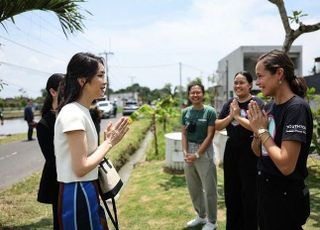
x: 152, y: 199
x: 155, y: 200
x: 130, y: 143
x: 14, y: 138
x: 19, y: 208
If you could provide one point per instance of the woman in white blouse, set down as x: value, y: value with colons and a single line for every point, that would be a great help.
x: 76, y: 144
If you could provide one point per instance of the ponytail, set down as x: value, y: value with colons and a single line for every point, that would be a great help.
x: 299, y: 86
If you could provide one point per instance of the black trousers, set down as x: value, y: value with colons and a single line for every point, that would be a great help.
x: 240, y: 189
x: 55, y: 215
x: 282, y: 204
x: 30, y: 130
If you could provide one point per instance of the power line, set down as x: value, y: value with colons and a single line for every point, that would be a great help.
x: 29, y: 48
x: 61, y: 37
x: 144, y: 67
x: 192, y: 67
x: 106, y: 71
x: 25, y: 68
x: 92, y: 44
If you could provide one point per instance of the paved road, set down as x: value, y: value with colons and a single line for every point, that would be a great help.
x: 20, y: 159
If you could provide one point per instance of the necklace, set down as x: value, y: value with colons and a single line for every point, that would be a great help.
x: 246, y: 99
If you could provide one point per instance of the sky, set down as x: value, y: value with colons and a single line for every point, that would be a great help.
x: 146, y: 40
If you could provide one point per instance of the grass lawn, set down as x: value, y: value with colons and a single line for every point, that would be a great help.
x: 15, y: 137
x: 154, y: 199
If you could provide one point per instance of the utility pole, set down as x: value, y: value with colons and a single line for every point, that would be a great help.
x: 132, y: 77
x: 227, y: 79
x: 180, y: 88
x: 107, y: 71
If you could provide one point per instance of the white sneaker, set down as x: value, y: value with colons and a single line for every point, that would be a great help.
x: 209, y: 226
x: 198, y: 220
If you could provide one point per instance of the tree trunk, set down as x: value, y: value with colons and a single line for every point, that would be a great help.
x: 154, y: 130
x: 291, y: 35
x: 165, y: 124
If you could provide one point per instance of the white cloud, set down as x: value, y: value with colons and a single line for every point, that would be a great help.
x: 201, y: 35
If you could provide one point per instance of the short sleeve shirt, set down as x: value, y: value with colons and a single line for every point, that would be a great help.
x: 292, y: 121
x: 201, y: 119
x: 73, y: 117
x: 234, y: 129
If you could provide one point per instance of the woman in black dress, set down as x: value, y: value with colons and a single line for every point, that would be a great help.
x: 49, y: 187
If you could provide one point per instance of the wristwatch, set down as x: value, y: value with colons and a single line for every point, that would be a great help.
x: 197, y: 155
x: 262, y: 131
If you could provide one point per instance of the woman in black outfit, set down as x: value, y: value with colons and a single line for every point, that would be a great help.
x: 239, y: 163
x: 49, y: 187
x: 283, y: 133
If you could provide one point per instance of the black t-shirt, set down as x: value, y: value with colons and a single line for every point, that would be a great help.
x: 291, y: 120
x: 234, y: 129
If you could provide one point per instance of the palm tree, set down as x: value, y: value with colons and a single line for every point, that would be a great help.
x: 67, y: 11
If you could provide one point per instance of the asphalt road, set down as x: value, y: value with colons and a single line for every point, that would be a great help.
x: 21, y: 159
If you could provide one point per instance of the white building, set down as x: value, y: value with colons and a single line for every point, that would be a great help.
x: 245, y: 58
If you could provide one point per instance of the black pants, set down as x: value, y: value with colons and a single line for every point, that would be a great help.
x: 30, y: 130
x: 282, y: 204
x: 55, y: 215
x: 240, y: 172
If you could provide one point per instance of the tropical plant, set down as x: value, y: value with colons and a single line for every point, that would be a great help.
x: 315, y: 141
x: 162, y: 111
x: 67, y: 11
x: 296, y: 15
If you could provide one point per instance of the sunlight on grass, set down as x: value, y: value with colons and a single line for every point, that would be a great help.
x: 158, y: 200
x: 14, y: 138
x: 153, y: 199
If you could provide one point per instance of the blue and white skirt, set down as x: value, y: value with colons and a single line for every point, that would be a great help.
x: 79, y: 207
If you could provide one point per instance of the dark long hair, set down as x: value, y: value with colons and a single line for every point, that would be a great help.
x: 52, y: 83
x: 81, y: 65
x: 278, y: 59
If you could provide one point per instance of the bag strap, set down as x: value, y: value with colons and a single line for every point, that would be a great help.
x: 115, y: 219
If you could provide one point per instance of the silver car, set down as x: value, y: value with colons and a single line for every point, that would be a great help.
x: 106, y: 108
x: 129, y: 107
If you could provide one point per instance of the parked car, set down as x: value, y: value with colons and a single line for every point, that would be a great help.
x: 106, y: 108
x: 129, y: 107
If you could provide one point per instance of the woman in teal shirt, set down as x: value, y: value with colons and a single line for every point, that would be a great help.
x: 200, y: 171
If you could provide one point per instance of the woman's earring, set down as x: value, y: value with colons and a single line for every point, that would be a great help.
x: 280, y: 82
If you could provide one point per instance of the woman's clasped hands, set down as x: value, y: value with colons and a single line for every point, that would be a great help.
x: 258, y: 118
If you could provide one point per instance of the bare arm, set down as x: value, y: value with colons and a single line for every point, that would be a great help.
x: 255, y: 146
x: 284, y: 157
x: 235, y: 110
x: 208, y: 141
x: 82, y: 163
x: 204, y: 145
x: 184, y: 141
x: 223, y: 123
x: 244, y: 122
